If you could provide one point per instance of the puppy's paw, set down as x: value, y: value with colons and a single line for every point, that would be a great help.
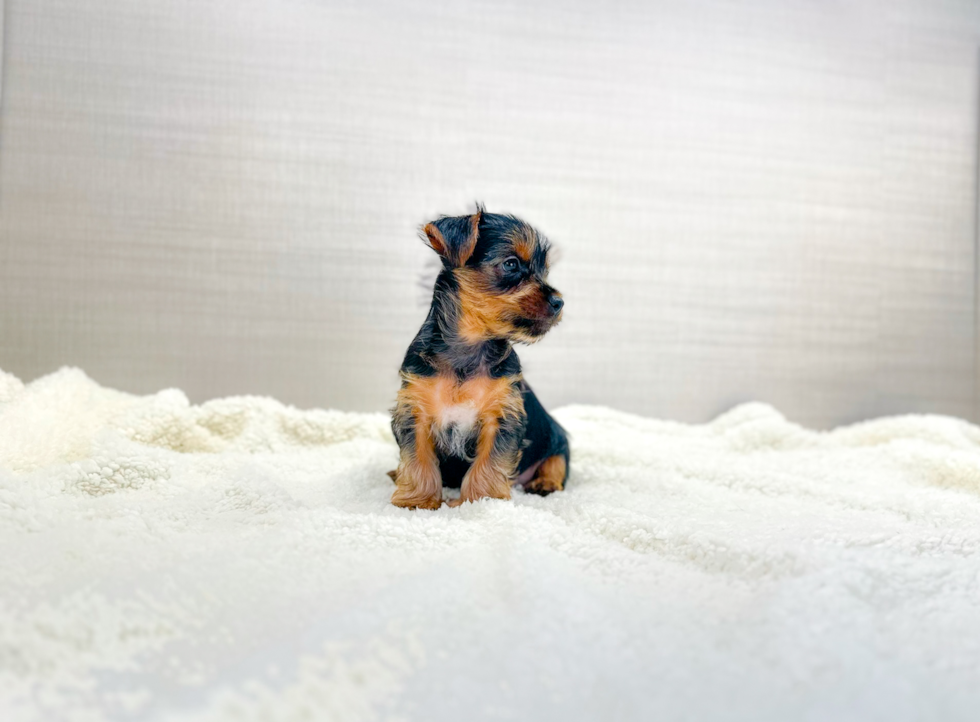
x: 549, y: 477
x: 409, y: 501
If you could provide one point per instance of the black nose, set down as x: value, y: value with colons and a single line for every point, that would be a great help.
x: 556, y: 303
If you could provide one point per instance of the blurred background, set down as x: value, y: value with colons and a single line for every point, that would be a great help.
x: 767, y: 201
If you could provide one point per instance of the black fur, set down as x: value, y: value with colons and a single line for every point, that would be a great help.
x: 543, y: 435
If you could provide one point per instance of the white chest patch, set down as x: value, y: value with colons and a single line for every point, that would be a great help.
x: 455, y: 427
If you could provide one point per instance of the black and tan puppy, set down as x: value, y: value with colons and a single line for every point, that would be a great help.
x: 465, y: 418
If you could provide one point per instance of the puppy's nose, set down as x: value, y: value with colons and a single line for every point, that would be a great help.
x: 556, y: 303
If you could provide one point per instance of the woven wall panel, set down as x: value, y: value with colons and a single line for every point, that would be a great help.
x: 773, y: 202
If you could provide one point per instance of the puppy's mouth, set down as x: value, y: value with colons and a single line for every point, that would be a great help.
x: 535, y: 328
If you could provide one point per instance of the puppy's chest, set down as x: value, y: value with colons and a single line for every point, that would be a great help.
x: 459, y: 409
x: 454, y: 428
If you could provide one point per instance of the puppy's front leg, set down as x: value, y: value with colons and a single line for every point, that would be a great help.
x: 418, y: 483
x: 497, y: 453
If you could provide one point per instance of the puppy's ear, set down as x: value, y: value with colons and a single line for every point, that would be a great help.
x: 454, y: 238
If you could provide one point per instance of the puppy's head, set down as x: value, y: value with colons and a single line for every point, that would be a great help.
x: 499, y: 271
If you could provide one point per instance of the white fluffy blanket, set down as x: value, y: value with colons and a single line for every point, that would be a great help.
x: 239, y: 560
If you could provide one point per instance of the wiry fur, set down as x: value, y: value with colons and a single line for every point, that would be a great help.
x: 464, y: 416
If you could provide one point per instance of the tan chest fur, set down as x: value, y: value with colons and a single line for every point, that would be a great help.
x: 455, y: 410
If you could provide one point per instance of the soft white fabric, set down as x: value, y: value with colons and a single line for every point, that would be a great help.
x: 239, y: 560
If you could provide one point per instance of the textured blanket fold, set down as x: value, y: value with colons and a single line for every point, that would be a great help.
x: 239, y: 560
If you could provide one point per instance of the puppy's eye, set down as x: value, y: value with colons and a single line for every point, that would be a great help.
x: 511, y: 265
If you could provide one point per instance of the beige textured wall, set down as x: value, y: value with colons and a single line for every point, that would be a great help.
x: 770, y: 200
x: 1, y: 51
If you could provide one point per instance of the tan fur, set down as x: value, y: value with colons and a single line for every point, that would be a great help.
x: 474, y: 235
x: 536, y: 304
x: 549, y: 477
x: 524, y: 247
x: 490, y: 475
x: 486, y: 314
x: 436, y: 242
x: 418, y: 481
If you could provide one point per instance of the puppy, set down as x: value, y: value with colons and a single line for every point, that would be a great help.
x: 464, y: 416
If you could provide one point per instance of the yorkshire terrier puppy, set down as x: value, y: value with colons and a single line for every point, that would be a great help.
x: 464, y: 416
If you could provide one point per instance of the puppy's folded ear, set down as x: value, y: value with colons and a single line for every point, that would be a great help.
x: 454, y: 238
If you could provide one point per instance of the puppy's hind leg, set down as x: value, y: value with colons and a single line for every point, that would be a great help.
x: 545, y: 463
x: 549, y: 476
